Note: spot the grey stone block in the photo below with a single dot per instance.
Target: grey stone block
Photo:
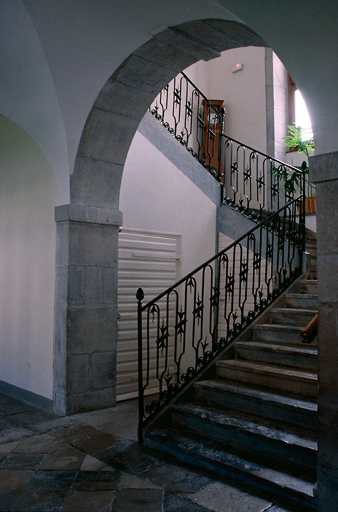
(93, 285)
(103, 370)
(181, 42)
(323, 167)
(124, 100)
(206, 35)
(107, 136)
(91, 329)
(88, 214)
(76, 287)
(93, 244)
(90, 401)
(62, 243)
(144, 75)
(159, 52)
(328, 352)
(77, 374)
(242, 35)
(327, 277)
(327, 222)
(96, 183)
(109, 285)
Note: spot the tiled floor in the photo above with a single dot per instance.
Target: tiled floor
(91, 462)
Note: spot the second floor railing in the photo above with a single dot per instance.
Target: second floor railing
(249, 178)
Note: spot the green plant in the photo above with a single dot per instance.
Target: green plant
(294, 140)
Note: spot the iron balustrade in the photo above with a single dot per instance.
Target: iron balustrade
(190, 117)
(248, 177)
(185, 328)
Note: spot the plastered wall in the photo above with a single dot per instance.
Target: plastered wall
(27, 260)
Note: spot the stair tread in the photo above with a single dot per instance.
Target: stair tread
(281, 327)
(278, 347)
(259, 394)
(297, 311)
(268, 369)
(209, 454)
(258, 430)
(302, 295)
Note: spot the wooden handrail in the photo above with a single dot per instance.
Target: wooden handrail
(310, 331)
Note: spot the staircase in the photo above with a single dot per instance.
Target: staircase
(254, 420)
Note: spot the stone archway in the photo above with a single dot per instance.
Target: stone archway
(87, 228)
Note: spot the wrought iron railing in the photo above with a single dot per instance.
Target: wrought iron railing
(192, 119)
(249, 178)
(185, 328)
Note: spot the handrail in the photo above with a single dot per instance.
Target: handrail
(310, 332)
(191, 323)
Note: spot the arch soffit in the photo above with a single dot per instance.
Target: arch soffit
(123, 101)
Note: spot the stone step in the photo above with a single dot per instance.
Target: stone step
(308, 286)
(301, 300)
(291, 316)
(311, 247)
(277, 333)
(285, 355)
(251, 400)
(208, 456)
(278, 378)
(250, 439)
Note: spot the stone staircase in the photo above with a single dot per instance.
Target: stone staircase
(254, 421)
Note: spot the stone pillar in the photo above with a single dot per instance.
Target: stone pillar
(324, 172)
(86, 308)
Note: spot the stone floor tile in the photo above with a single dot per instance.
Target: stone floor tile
(63, 457)
(14, 479)
(10, 432)
(38, 499)
(97, 480)
(23, 460)
(40, 421)
(134, 482)
(121, 420)
(87, 438)
(8, 447)
(84, 501)
(34, 444)
(8, 497)
(15, 407)
(138, 500)
(53, 479)
(91, 463)
(220, 497)
(133, 459)
(176, 478)
(174, 503)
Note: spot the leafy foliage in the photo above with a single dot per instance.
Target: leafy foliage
(290, 177)
(295, 140)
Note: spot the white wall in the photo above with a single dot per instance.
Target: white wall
(243, 92)
(156, 196)
(27, 262)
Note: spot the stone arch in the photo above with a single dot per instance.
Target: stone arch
(124, 99)
(87, 228)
